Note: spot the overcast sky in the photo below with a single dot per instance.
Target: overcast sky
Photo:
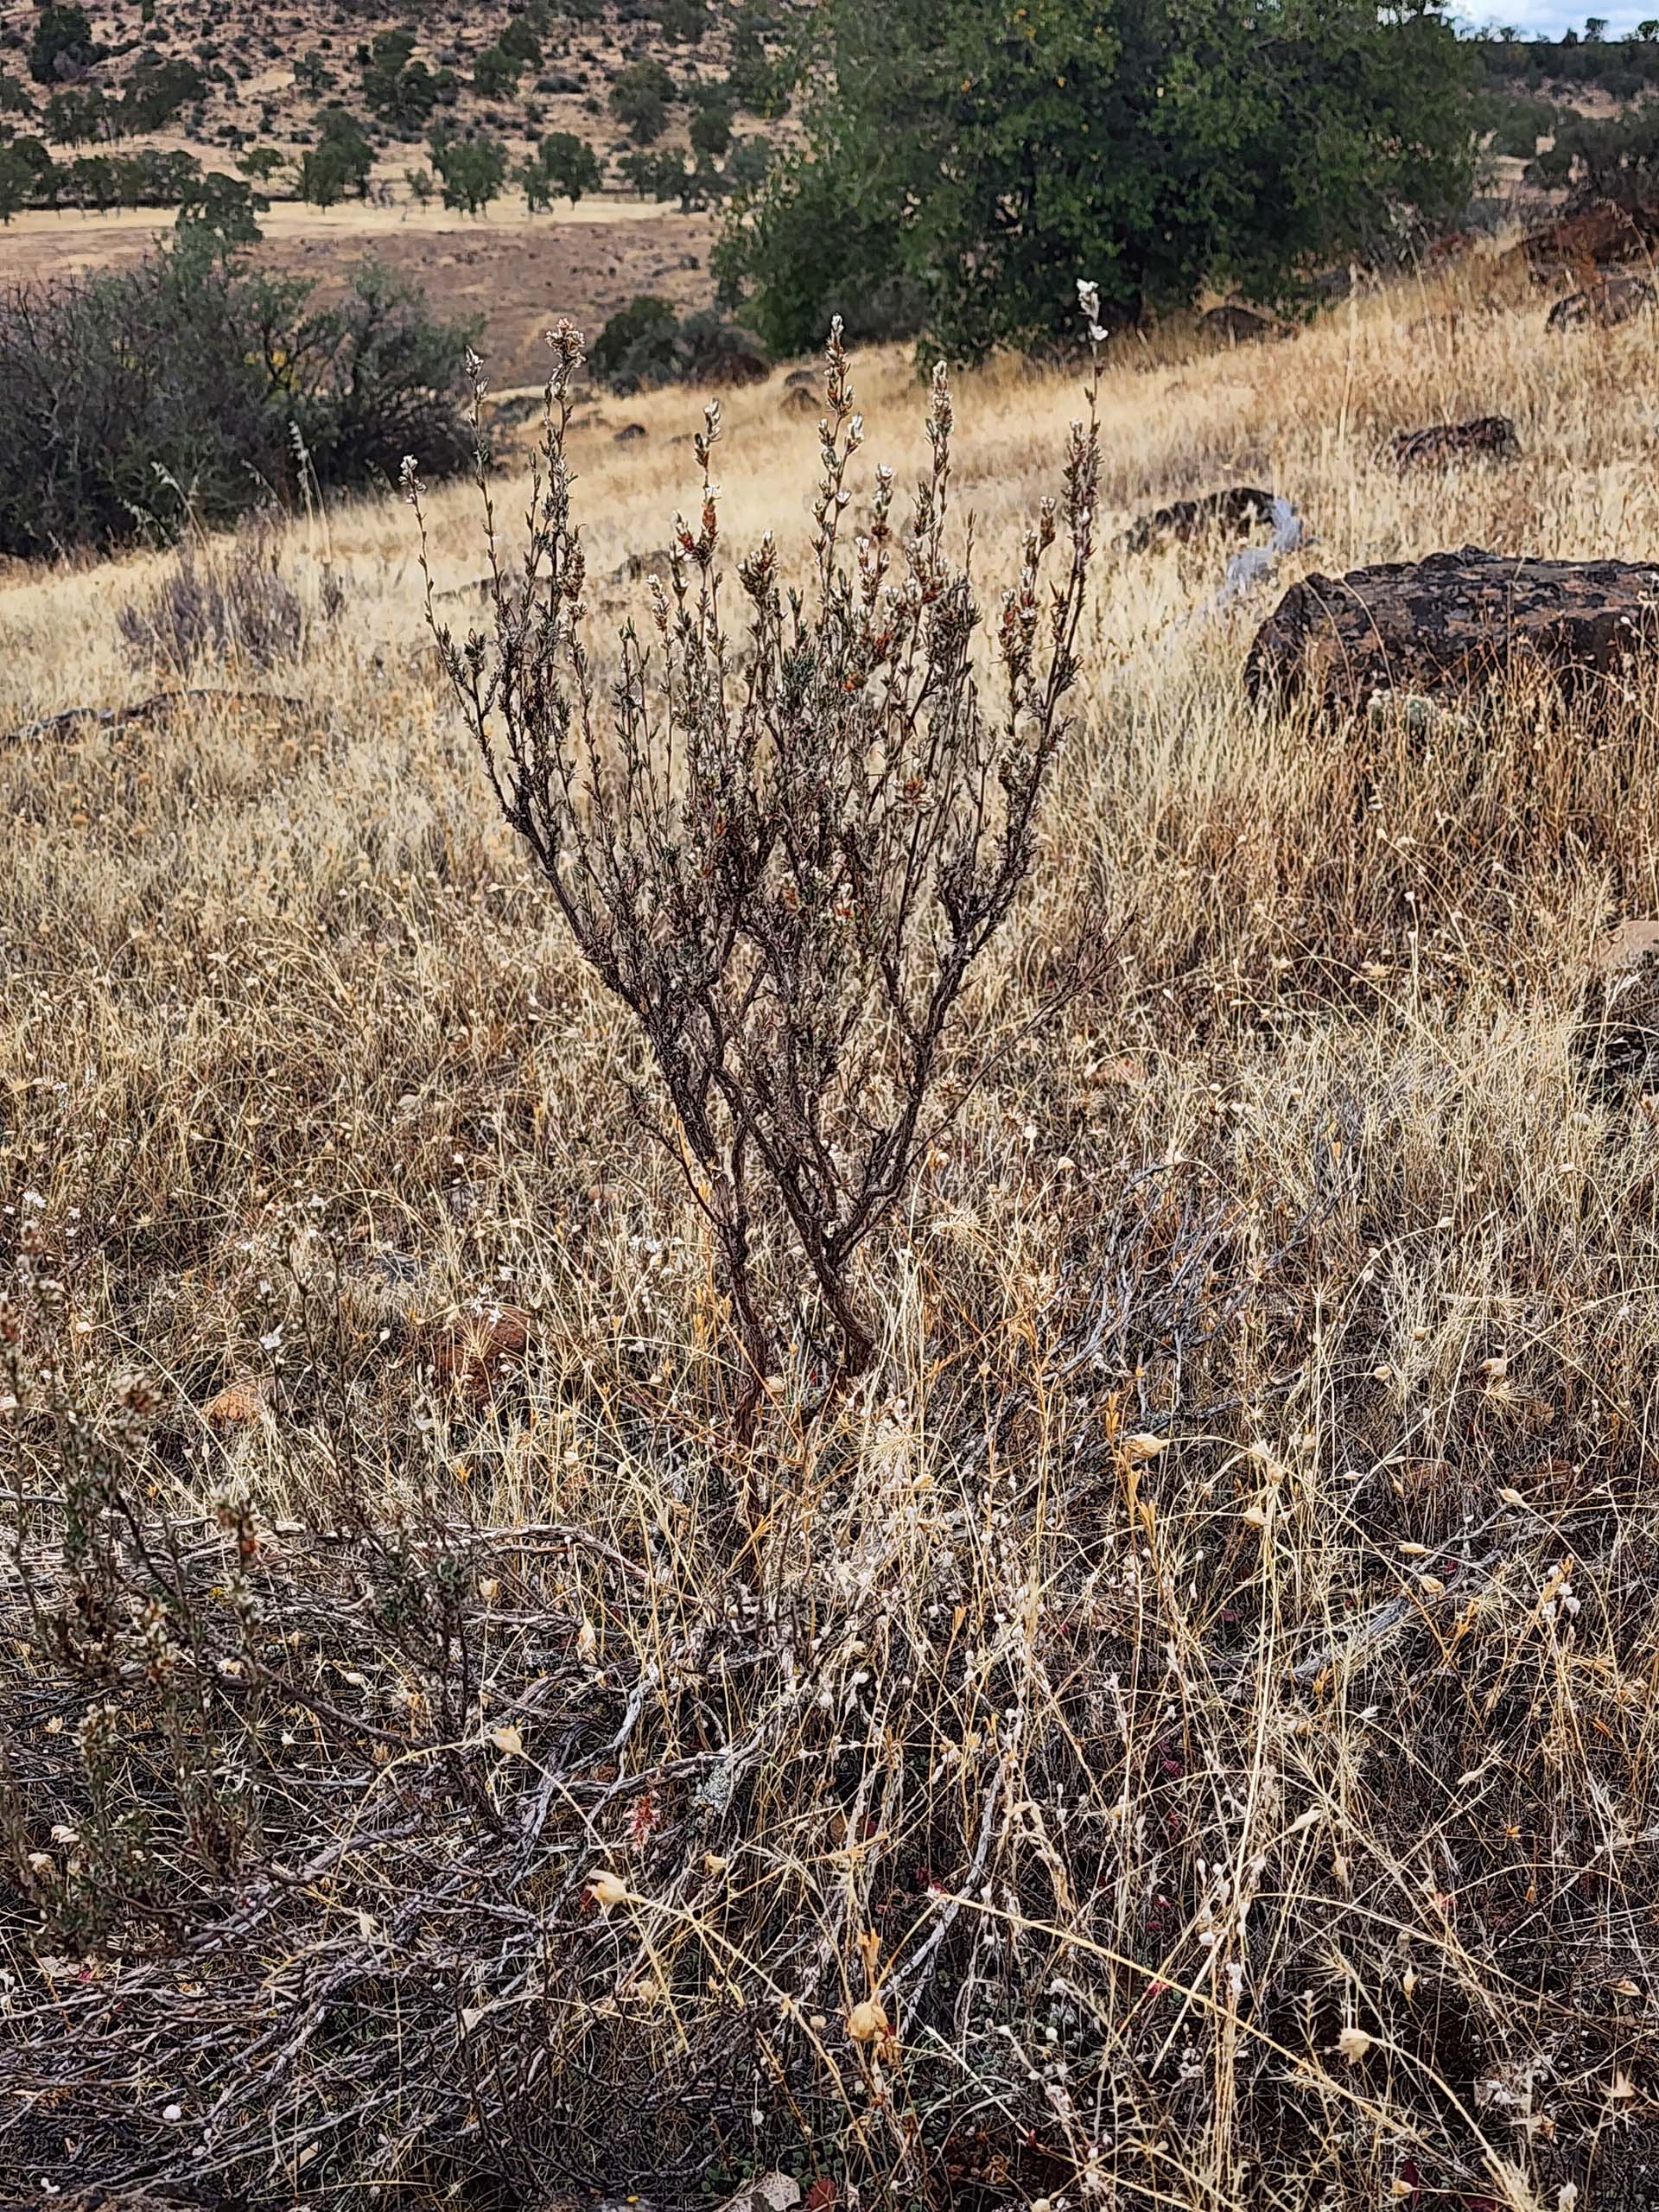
(1551, 18)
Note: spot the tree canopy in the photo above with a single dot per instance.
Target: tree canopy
(977, 157)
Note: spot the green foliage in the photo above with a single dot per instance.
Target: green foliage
(563, 169)
(400, 90)
(646, 324)
(473, 169)
(312, 73)
(132, 399)
(78, 116)
(15, 98)
(992, 158)
(261, 162)
(683, 21)
(16, 182)
(640, 96)
(531, 179)
(757, 81)
(1514, 124)
(711, 130)
(647, 343)
(748, 163)
(339, 162)
(157, 89)
(1605, 157)
(520, 43)
(421, 186)
(496, 74)
(223, 209)
(817, 244)
(62, 34)
(666, 174)
(1622, 68)
(147, 179)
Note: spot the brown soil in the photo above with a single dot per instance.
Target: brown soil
(512, 273)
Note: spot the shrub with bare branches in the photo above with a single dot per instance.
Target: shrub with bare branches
(231, 602)
(783, 857)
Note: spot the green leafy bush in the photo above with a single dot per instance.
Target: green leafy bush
(132, 399)
(563, 168)
(473, 169)
(647, 343)
(341, 162)
(640, 96)
(1613, 157)
(157, 90)
(496, 73)
(1165, 145)
(62, 34)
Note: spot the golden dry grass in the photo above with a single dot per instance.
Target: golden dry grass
(1265, 1818)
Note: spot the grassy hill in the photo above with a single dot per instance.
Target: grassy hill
(1180, 1732)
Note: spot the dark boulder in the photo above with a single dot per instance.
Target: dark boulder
(1238, 510)
(1490, 437)
(1452, 628)
(1605, 305)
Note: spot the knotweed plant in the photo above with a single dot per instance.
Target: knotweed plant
(783, 849)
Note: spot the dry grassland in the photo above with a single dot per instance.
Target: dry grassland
(1262, 1811)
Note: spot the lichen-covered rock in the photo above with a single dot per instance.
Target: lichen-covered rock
(1454, 626)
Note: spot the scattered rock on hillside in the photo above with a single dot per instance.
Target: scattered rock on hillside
(1449, 626)
(1238, 508)
(1491, 436)
(1613, 301)
(1234, 325)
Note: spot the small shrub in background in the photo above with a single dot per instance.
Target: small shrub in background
(228, 601)
(640, 96)
(570, 166)
(646, 343)
(133, 400)
(785, 862)
(473, 169)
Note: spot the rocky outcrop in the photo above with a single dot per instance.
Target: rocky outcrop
(1453, 627)
(1605, 304)
(1490, 437)
(1237, 508)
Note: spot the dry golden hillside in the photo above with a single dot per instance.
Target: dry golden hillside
(1180, 1732)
